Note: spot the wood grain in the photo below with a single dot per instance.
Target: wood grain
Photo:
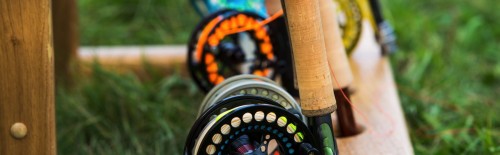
(26, 77)
(309, 54)
(66, 41)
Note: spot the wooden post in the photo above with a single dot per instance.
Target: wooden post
(66, 42)
(26, 78)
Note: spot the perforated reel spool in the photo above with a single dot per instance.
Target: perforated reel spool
(251, 85)
(249, 125)
(215, 52)
(211, 94)
(248, 87)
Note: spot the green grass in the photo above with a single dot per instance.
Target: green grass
(448, 75)
(447, 71)
(118, 22)
(107, 113)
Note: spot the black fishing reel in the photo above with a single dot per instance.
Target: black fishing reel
(248, 114)
(228, 43)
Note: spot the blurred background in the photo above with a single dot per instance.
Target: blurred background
(447, 71)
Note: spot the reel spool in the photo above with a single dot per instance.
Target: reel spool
(217, 50)
(251, 85)
(232, 122)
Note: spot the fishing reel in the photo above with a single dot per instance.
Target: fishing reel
(219, 49)
(248, 114)
(350, 22)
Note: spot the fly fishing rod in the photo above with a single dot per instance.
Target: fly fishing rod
(339, 66)
(384, 33)
(312, 70)
(385, 36)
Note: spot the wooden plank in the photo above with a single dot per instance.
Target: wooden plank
(377, 99)
(136, 58)
(26, 77)
(66, 41)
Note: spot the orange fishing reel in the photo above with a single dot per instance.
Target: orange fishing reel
(228, 43)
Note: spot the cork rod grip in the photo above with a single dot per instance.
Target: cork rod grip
(309, 54)
(335, 51)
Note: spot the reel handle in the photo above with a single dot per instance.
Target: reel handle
(309, 55)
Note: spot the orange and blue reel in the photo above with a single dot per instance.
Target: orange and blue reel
(217, 50)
